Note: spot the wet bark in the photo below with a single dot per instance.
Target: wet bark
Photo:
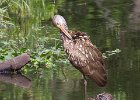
(15, 63)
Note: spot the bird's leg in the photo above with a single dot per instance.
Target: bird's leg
(85, 86)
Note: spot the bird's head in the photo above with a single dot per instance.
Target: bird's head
(61, 23)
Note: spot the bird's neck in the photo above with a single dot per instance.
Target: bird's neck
(66, 42)
(64, 37)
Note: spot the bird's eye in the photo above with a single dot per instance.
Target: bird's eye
(57, 23)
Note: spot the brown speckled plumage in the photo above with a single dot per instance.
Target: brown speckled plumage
(83, 55)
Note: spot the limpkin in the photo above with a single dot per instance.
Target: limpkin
(82, 54)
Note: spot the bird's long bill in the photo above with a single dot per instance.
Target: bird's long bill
(65, 32)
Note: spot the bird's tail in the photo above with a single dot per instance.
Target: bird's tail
(100, 79)
(97, 73)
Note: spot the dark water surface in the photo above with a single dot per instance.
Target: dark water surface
(111, 24)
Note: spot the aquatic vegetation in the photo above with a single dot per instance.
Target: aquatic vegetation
(42, 57)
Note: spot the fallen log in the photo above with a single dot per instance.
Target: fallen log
(15, 63)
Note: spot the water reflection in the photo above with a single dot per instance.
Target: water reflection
(134, 16)
(73, 89)
(102, 96)
(16, 79)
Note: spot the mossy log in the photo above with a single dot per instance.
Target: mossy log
(15, 63)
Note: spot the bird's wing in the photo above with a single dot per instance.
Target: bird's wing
(90, 51)
(95, 67)
(85, 47)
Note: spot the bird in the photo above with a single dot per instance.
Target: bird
(82, 54)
